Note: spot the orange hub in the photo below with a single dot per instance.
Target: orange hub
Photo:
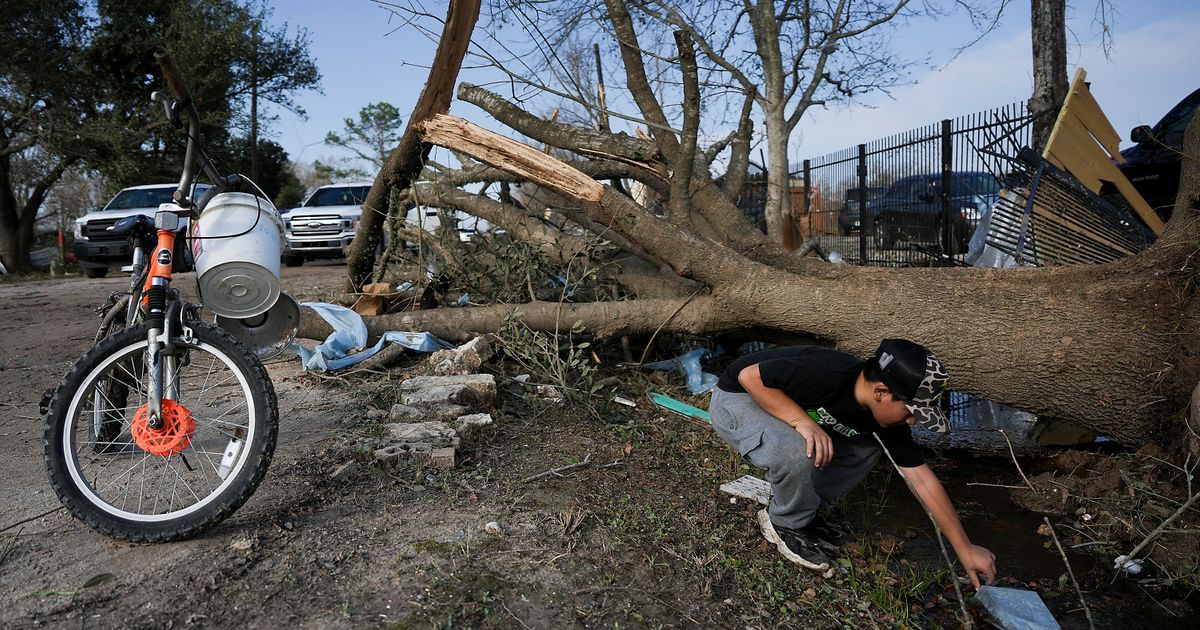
(173, 437)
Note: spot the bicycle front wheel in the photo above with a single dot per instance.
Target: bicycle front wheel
(125, 479)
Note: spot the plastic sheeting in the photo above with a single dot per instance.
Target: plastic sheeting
(698, 381)
(350, 334)
(1016, 609)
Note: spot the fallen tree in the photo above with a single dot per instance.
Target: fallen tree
(1109, 347)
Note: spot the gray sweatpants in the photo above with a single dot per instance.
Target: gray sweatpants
(798, 487)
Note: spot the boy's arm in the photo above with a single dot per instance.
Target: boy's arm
(929, 491)
(818, 445)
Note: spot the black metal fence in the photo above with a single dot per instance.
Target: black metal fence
(914, 198)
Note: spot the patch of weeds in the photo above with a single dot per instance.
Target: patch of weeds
(434, 548)
(889, 587)
(559, 357)
(466, 599)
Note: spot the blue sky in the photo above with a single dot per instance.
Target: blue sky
(367, 55)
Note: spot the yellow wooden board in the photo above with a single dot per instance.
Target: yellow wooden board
(1084, 143)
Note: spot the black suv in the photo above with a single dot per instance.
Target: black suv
(911, 209)
(849, 218)
(1152, 165)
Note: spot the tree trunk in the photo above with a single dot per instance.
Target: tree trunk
(406, 162)
(1049, 67)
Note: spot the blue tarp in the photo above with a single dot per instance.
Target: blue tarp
(350, 333)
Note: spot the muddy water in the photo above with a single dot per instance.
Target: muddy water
(1023, 559)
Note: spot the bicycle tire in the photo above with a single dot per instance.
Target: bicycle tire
(77, 466)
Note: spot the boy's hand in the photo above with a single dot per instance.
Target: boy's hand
(819, 444)
(976, 560)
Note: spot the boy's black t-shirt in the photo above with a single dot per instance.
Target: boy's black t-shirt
(821, 381)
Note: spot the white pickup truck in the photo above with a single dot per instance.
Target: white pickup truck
(324, 225)
(96, 249)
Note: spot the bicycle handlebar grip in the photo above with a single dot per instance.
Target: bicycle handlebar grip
(172, 76)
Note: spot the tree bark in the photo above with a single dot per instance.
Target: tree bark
(1049, 67)
(405, 163)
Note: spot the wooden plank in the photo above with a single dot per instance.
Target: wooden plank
(1083, 107)
(1073, 147)
(1078, 80)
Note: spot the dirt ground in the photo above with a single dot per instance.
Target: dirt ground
(639, 537)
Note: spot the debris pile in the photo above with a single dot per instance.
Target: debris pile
(434, 414)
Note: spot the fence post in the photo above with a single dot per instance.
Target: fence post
(807, 202)
(947, 181)
(866, 222)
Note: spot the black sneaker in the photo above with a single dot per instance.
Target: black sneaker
(801, 546)
(827, 531)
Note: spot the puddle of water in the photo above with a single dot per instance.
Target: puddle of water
(1022, 560)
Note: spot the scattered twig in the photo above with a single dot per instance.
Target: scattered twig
(937, 531)
(1015, 462)
(664, 323)
(1078, 591)
(561, 469)
(995, 485)
(11, 546)
(510, 614)
(31, 518)
(1161, 528)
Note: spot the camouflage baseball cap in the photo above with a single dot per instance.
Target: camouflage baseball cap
(915, 376)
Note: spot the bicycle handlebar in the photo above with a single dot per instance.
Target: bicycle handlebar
(171, 74)
(183, 101)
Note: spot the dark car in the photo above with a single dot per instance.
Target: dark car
(849, 218)
(911, 210)
(1152, 165)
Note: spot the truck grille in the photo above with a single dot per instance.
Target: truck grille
(96, 230)
(317, 225)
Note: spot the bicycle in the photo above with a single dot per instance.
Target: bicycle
(168, 424)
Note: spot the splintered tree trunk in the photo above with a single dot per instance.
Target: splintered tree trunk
(406, 162)
(1049, 67)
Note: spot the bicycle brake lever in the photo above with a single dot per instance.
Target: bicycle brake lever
(171, 108)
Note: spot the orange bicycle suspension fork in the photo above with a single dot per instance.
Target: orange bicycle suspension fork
(154, 300)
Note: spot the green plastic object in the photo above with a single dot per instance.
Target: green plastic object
(681, 408)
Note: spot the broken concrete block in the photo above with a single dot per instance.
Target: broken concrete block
(427, 391)
(442, 457)
(393, 452)
(469, 424)
(435, 433)
(464, 359)
(377, 414)
(442, 412)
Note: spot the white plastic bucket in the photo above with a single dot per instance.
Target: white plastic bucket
(237, 242)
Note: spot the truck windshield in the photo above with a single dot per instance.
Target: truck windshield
(140, 198)
(338, 196)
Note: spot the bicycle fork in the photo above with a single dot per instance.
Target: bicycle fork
(161, 357)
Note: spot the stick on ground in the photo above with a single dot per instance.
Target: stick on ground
(1087, 611)
(561, 469)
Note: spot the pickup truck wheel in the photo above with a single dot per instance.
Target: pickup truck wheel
(95, 272)
(293, 261)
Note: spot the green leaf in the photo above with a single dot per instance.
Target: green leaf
(97, 580)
